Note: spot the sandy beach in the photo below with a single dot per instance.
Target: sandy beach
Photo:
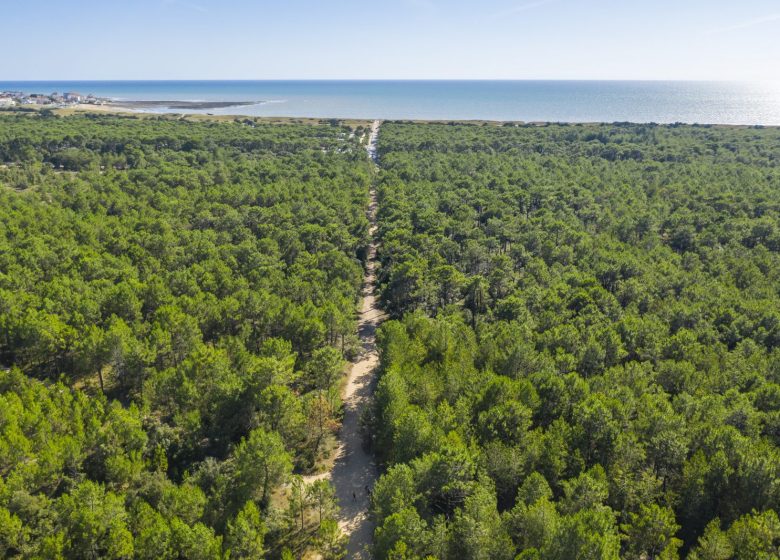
(159, 106)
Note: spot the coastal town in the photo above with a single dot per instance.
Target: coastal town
(18, 100)
(9, 99)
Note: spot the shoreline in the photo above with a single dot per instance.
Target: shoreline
(424, 101)
(123, 108)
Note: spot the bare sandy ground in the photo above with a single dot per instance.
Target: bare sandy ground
(354, 471)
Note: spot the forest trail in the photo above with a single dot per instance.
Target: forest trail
(354, 471)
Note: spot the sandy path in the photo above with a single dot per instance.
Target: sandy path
(354, 469)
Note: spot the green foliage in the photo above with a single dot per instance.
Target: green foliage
(586, 329)
(330, 541)
(755, 535)
(650, 533)
(94, 523)
(584, 359)
(246, 534)
(261, 464)
(176, 299)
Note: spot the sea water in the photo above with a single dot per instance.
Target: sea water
(530, 101)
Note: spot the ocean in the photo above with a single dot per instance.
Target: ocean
(529, 101)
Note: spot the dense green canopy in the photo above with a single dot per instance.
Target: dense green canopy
(176, 302)
(586, 361)
(583, 359)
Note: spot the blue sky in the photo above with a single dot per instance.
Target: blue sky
(414, 39)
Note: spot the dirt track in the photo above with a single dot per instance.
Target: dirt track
(354, 471)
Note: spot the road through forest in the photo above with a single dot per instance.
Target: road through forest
(354, 471)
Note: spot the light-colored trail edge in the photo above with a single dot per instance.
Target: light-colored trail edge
(354, 472)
